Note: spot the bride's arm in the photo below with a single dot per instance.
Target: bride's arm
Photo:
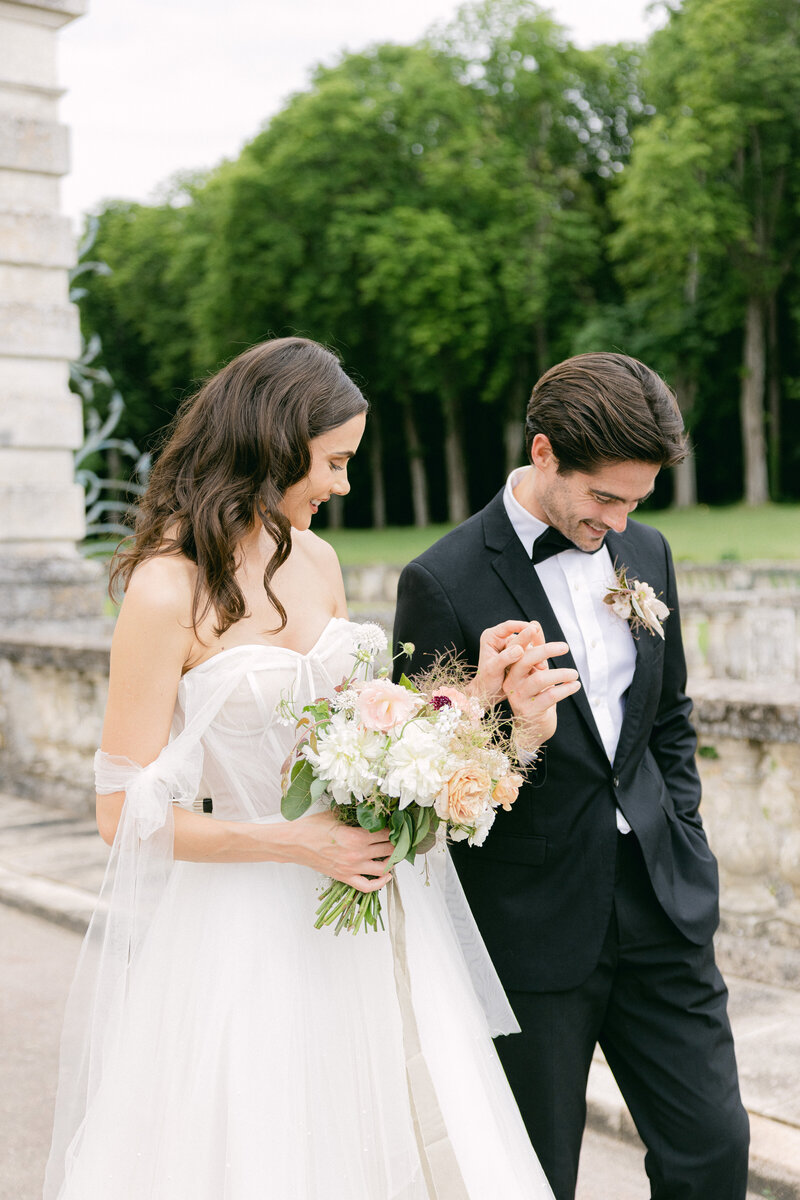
(153, 641)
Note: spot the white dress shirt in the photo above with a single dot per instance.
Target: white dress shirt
(602, 644)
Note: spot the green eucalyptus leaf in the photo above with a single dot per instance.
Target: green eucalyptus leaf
(402, 846)
(396, 822)
(423, 826)
(298, 794)
(318, 788)
(369, 818)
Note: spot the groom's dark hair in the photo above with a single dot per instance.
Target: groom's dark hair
(602, 408)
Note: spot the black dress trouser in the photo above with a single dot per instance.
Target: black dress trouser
(657, 1005)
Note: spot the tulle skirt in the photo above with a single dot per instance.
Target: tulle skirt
(261, 1059)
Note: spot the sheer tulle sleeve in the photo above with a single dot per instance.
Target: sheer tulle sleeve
(138, 871)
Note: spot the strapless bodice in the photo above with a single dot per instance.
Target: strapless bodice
(235, 696)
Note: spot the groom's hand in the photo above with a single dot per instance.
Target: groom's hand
(501, 647)
(533, 688)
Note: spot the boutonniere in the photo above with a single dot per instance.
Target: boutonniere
(636, 602)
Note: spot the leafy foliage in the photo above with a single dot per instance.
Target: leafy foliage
(455, 216)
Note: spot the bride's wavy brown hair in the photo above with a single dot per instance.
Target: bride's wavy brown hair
(231, 453)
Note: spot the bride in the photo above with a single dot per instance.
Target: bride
(217, 1046)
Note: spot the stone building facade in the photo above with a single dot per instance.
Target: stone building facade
(41, 506)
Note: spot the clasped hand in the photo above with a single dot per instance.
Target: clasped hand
(513, 665)
(343, 852)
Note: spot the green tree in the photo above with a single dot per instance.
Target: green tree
(556, 128)
(713, 188)
(139, 309)
(332, 222)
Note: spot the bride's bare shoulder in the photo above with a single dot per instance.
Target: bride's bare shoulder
(320, 560)
(316, 551)
(161, 588)
(155, 621)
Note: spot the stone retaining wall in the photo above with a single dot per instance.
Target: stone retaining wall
(53, 686)
(739, 620)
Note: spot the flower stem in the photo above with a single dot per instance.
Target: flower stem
(349, 908)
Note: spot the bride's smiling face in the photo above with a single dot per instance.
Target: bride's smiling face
(330, 454)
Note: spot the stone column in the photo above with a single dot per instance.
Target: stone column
(41, 507)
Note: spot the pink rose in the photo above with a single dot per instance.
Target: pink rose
(383, 705)
(506, 790)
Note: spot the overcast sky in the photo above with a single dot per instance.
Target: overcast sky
(157, 86)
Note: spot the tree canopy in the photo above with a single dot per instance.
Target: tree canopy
(456, 215)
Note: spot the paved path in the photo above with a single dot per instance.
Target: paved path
(37, 960)
(51, 864)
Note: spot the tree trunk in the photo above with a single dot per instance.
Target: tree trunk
(336, 513)
(454, 461)
(751, 405)
(416, 468)
(774, 397)
(514, 424)
(684, 475)
(376, 471)
(684, 482)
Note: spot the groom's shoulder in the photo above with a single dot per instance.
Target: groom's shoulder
(648, 543)
(645, 535)
(454, 553)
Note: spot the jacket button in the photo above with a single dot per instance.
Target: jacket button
(615, 781)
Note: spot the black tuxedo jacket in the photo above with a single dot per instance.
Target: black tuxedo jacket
(541, 886)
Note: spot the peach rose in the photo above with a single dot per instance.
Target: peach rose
(506, 790)
(384, 706)
(468, 793)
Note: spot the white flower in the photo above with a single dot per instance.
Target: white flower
(344, 700)
(345, 758)
(496, 763)
(416, 765)
(446, 720)
(636, 602)
(478, 833)
(482, 826)
(371, 638)
(654, 610)
(621, 605)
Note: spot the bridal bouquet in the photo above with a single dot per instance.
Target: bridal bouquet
(416, 758)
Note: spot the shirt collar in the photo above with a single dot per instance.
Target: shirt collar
(526, 526)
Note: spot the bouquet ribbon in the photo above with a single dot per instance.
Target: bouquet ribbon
(440, 1167)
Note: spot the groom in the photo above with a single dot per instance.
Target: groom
(597, 894)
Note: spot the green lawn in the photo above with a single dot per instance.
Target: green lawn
(699, 534)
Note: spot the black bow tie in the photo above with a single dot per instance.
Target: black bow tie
(552, 542)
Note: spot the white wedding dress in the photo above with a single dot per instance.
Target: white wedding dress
(218, 1047)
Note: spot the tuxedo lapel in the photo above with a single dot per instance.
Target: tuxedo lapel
(515, 569)
(649, 648)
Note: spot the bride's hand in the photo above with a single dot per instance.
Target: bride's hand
(499, 651)
(504, 646)
(354, 856)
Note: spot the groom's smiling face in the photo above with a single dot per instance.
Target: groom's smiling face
(585, 506)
